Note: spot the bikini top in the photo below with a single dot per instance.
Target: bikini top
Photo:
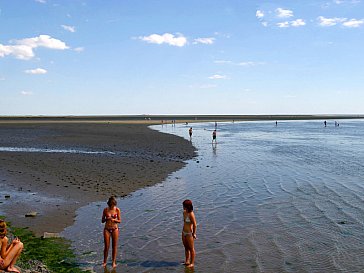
(187, 219)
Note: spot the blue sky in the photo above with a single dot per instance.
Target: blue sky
(117, 57)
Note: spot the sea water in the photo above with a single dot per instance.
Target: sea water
(267, 198)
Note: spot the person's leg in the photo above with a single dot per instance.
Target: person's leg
(106, 245)
(191, 247)
(12, 256)
(115, 238)
(187, 251)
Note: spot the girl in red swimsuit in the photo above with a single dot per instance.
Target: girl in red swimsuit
(111, 218)
(9, 253)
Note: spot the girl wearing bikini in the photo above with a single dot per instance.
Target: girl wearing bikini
(189, 233)
(111, 218)
(9, 253)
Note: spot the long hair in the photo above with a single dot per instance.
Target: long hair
(187, 204)
(112, 202)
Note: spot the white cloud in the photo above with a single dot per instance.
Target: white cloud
(69, 28)
(206, 41)
(259, 14)
(353, 23)
(218, 77)
(79, 49)
(21, 52)
(26, 93)
(284, 13)
(339, 2)
(298, 23)
(248, 63)
(283, 24)
(295, 23)
(36, 71)
(166, 38)
(265, 24)
(41, 1)
(328, 22)
(43, 41)
(23, 49)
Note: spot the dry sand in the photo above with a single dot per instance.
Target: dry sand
(56, 184)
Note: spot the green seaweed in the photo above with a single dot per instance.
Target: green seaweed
(55, 253)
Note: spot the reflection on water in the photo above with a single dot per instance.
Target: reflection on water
(267, 199)
(45, 150)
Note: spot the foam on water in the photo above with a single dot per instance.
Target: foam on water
(267, 199)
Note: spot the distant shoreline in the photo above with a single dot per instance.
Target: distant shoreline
(158, 119)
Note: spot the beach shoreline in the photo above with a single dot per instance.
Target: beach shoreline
(118, 160)
(56, 184)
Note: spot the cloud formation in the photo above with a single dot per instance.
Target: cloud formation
(353, 23)
(69, 28)
(79, 49)
(259, 14)
(328, 22)
(247, 63)
(166, 38)
(218, 77)
(23, 49)
(26, 93)
(295, 23)
(206, 41)
(36, 71)
(41, 1)
(284, 13)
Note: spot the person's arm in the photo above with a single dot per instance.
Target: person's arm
(194, 224)
(104, 216)
(118, 219)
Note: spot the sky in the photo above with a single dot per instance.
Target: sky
(135, 57)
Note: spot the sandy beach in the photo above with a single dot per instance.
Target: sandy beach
(115, 159)
(110, 155)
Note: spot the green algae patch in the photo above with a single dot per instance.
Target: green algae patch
(55, 253)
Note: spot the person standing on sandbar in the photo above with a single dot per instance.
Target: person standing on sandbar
(214, 136)
(111, 218)
(190, 132)
(189, 233)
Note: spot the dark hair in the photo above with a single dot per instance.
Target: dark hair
(112, 201)
(187, 204)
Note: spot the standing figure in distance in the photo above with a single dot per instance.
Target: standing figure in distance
(190, 132)
(325, 123)
(214, 136)
(189, 233)
(111, 218)
(9, 253)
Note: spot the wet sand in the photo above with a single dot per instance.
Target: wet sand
(56, 184)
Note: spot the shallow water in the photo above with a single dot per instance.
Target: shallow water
(45, 150)
(267, 199)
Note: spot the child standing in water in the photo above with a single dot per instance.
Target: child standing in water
(189, 233)
(9, 253)
(111, 218)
